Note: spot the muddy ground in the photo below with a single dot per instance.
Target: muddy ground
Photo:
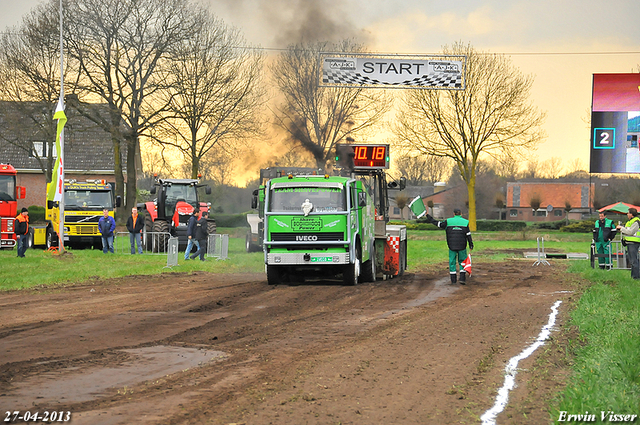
(230, 349)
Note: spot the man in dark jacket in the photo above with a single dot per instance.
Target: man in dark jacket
(135, 224)
(107, 225)
(21, 229)
(603, 233)
(202, 233)
(191, 233)
(458, 234)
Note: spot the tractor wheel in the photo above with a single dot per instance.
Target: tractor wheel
(351, 272)
(147, 237)
(369, 267)
(211, 226)
(160, 237)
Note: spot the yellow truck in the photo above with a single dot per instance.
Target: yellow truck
(83, 206)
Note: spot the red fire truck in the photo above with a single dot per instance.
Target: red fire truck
(9, 194)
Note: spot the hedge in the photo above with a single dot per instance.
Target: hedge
(500, 225)
(584, 226)
(36, 213)
(231, 220)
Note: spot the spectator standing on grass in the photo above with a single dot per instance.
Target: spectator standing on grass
(458, 234)
(107, 226)
(603, 233)
(631, 239)
(191, 233)
(22, 231)
(135, 224)
(202, 233)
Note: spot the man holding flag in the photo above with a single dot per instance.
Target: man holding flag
(458, 234)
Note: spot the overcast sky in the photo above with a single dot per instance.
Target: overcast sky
(562, 43)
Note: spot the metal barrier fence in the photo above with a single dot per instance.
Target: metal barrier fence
(218, 246)
(172, 254)
(616, 259)
(152, 243)
(541, 255)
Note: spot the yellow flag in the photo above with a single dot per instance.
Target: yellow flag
(56, 187)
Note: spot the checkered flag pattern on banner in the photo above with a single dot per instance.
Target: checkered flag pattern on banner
(351, 79)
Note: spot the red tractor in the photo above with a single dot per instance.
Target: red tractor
(9, 194)
(170, 212)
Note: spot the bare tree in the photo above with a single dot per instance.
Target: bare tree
(491, 114)
(120, 46)
(402, 200)
(576, 166)
(532, 168)
(552, 168)
(423, 169)
(30, 75)
(216, 92)
(318, 118)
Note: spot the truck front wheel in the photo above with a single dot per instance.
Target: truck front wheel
(352, 271)
(274, 275)
(369, 267)
(52, 238)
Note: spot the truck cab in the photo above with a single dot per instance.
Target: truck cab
(9, 194)
(318, 225)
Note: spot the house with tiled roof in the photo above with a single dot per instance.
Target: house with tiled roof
(88, 150)
(549, 200)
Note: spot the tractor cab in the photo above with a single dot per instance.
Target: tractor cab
(176, 199)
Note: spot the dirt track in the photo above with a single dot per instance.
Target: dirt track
(220, 349)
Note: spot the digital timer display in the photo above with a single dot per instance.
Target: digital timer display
(369, 156)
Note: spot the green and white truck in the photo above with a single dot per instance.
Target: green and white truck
(317, 224)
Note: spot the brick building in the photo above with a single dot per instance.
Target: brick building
(88, 151)
(554, 200)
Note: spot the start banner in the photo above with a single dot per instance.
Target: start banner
(366, 70)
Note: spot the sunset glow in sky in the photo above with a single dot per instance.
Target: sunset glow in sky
(562, 43)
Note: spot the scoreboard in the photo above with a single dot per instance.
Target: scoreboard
(364, 156)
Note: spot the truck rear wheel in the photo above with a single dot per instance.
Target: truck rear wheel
(274, 275)
(30, 239)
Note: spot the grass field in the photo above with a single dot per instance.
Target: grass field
(43, 268)
(425, 249)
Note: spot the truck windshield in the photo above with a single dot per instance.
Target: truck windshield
(324, 199)
(7, 188)
(88, 199)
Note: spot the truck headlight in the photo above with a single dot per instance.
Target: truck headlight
(10, 225)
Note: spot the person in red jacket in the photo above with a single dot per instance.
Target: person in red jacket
(22, 231)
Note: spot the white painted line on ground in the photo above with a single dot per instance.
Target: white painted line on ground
(489, 417)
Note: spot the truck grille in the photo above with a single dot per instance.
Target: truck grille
(81, 218)
(86, 230)
(307, 237)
